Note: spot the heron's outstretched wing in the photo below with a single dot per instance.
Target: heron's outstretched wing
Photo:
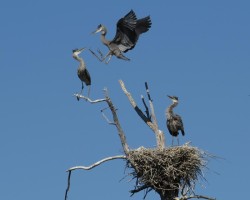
(126, 36)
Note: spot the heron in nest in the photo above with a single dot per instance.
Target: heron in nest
(82, 71)
(128, 30)
(174, 121)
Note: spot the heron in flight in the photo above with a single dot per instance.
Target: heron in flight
(82, 71)
(174, 121)
(128, 30)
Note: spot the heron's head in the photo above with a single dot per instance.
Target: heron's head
(100, 28)
(76, 52)
(173, 98)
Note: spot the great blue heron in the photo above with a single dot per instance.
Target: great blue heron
(174, 121)
(128, 31)
(82, 71)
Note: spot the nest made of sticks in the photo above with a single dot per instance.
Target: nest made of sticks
(167, 169)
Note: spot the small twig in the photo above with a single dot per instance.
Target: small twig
(79, 96)
(138, 189)
(196, 197)
(106, 118)
(151, 106)
(97, 163)
(68, 187)
(147, 90)
(146, 107)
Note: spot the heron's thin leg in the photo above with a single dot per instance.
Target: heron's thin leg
(172, 140)
(178, 141)
(107, 62)
(121, 56)
(88, 90)
(99, 51)
(82, 88)
(103, 58)
(100, 59)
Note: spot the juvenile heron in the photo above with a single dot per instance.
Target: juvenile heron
(82, 71)
(128, 30)
(174, 121)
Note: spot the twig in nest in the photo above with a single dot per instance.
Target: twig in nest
(168, 170)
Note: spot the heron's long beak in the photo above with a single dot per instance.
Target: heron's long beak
(96, 31)
(170, 96)
(82, 49)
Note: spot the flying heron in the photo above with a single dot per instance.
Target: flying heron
(82, 71)
(128, 30)
(174, 121)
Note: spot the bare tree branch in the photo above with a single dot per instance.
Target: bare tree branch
(68, 187)
(97, 163)
(151, 106)
(78, 96)
(115, 117)
(138, 189)
(159, 135)
(195, 197)
(88, 168)
(117, 123)
(146, 107)
(154, 127)
(106, 118)
(133, 103)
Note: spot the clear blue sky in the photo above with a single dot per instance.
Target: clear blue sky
(197, 50)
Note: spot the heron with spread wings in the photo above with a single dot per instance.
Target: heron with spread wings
(128, 30)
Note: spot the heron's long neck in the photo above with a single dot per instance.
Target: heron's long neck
(103, 39)
(82, 63)
(169, 110)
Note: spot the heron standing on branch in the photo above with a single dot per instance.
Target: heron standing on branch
(82, 71)
(174, 121)
(128, 30)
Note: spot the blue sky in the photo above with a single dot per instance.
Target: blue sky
(196, 50)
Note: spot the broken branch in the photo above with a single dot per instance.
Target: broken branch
(97, 163)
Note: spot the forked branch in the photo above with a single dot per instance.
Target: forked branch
(152, 125)
(88, 168)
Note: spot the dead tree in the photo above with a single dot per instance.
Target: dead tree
(170, 171)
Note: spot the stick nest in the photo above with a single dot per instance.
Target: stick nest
(169, 169)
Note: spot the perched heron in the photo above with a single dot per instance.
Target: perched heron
(174, 121)
(82, 71)
(128, 30)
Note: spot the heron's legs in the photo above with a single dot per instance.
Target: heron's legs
(101, 59)
(80, 92)
(88, 90)
(178, 140)
(121, 56)
(172, 140)
(109, 58)
(82, 88)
